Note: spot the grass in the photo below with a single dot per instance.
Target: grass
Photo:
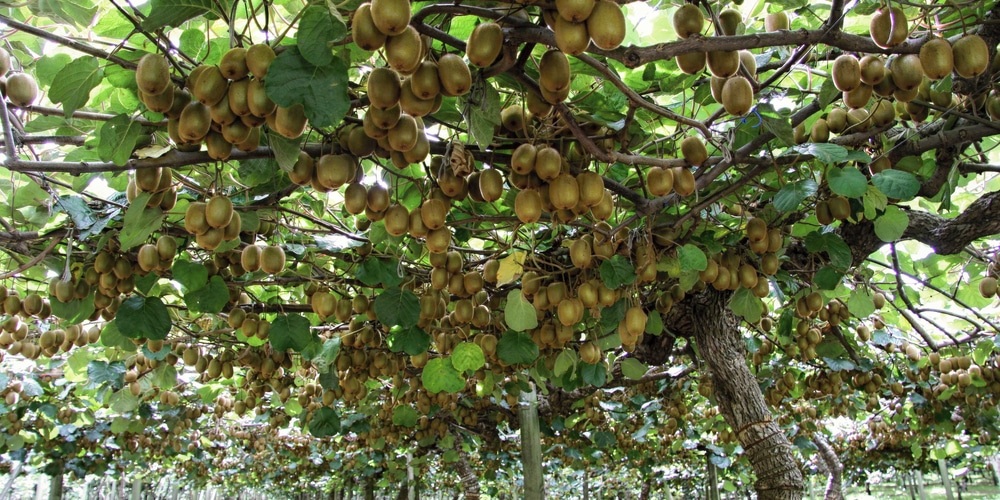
(933, 491)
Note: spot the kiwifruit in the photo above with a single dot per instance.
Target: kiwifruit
(889, 27)
(334, 171)
(693, 151)
(403, 136)
(883, 113)
(194, 219)
(272, 259)
(404, 52)
(820, 131)
(258, 59)
(904, 96)
(571, 37)
(396, 220)
(729, 21)
(858, 97)
(872, 69)
(886, 86)
(424, 83)
(180, 100)
(221, 113)
(858, 120)
(361, 145)
(391, 16)
(548, 163)
(454, 75)
(22, 89)
(716, 85)
(748, 62)
(160, 103)
(606, 25)
(413, 105)
(840, 207)
(972, 56)
(907, 71)
(257, 101)
(355, 198)
(195, 121)
(846, 72)
(988, 287)
(210, 87)
(148, 258)
(218, 211)
(364, 32)
(575, 10)
(776, 21)
(152, 74)
(916, 112)
(233, 64)
(378, 197)
(836, 120)
(553, 71)
(290, 122)
(148, 179)
(993, 107)
(937, 58)
(554, 97)
(484, 44)
(490, 185)
(723, 63)
(737, 96)
(660, 181)
(692, 62)
(591, 186)
(688, 20)
(218, 147)
(528, 206)
(383, 118)
(684, 182)
(564, 191)
(4, 61)
(515, 119)
(236, 133)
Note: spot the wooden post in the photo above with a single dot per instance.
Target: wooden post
(712, 488)
(920, 486)
(945, 478)
(531, 445)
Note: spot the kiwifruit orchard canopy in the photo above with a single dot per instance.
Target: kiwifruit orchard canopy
(378, 240)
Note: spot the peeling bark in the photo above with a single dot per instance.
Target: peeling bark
(834, 468)
(466, 474)
(740, 400)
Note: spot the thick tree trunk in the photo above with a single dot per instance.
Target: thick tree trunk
(834, 468)
(740, 399)
(466, 474)
(531, 445)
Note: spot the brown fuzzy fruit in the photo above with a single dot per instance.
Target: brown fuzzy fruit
(737, 96)
(391, 17)
(888, 27)
(688, 20)
(484, 44)
(694, 151)
(454, 75)
(606, 25)
(152, 74)
(972, 56)
(22, 89)
(723, 63)
(846, 72)
(554, 73)
(258, 59)
(272, 259)
(937, 58)
(364, 31)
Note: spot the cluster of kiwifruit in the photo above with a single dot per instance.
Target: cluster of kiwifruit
(730, 271)
(577, 23)
(661, 181)
(250, 324)
(158, 182)
(221, 105)
(546, 184)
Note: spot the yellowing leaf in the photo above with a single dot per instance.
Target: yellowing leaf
(511, 267)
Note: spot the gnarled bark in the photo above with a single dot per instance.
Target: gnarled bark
(834, 468)
(714, 328)
(466, 474)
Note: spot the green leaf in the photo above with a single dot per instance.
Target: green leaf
(617, 271)
(874, 201)
(745, 303)
(692, 258)
(847, 181)
(165, 376)
(983, 350)
(861, 303)
(122, 401)
(73, 84)
(325, 422)
(140, 221)
(821, 151)
(481, 109)
(211, 299)
(611, 316)
(375, 271)
(143, 317)
(104, 372)
(565, 362)
(290, 331)
(77, 12)
(118, 137)
(781, 127)
(833, 245)
(891, 225)
(828, 92)
(839, 364)
(75, 311)
(791, 195)
(322, 354)
(467, 356)
(897, 184)
(397, 307)
(519, 314)
(191, 275)
(439, 375)
(827, 278)
(633, 368)
(412, 340)
(517, 348)
(321, 90)
(654, 323)
(404, 416)
(594, 374)
(77, 209)
(318, 29)
(286, 151)
(111, 337)
(174, 12)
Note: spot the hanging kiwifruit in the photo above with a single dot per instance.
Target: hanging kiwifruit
(382, 118)
(840, 207)
(194, 122)
(424, 83)
(972, 56)
(737, 96)
(148, 179)
(515, 119)
(528, 206)
(221, 113)
(571, 37)
(333, 171)
(378, 197)
(660, 181)
(858, 97)
(218, 211)
(688, 20)
(553, 71)
(272, 259)
(846, 72)
(22, 89)
(820, 131)
(936, 58)
(836, 120)
(383, 88)
(575, 10)
(491, 185)
(888, 27)
(692, 62)
(160, 103)
(152, 74)
(454, 75)
(606, 25)
(194, 218)
(885, 87)
(564, 191)
(537, 105)
(364, 32)
(233, 64)
(872, 69)
(218, 147)
(291, 121)
(403, 136)
(210, 87)
(396, 220)
(693, 151)
(883, 113)
(729, 21)
(548, 163)
(258, 59)
(684, 182)
(776, 21)
(391, 16)
(484, 44)
(591, 186)
(413, 105)
(907, 71)
(723, 63)
(748, 62)
(236, 132)
(404, 51)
